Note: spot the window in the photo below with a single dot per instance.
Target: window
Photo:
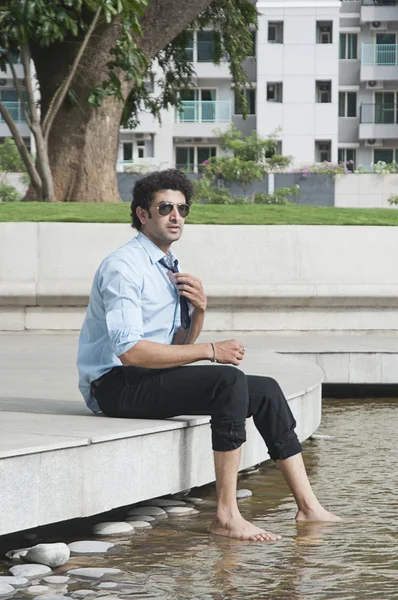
(141, 148)
(385, 108)
(253, 35)
(324, 32)
(275, 32)
(189, 45)
(127, 151)
(323, 91)
(387, 155)
(205, 46)
(251, 103)
(191, 158)
(347, 104)
(276, 151)
(348, 46)
(347, 156)
(274, 92)
(323, 151)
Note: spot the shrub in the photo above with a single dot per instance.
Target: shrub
(393, 200)
(383, 168)
(8, 193)
(279, 196)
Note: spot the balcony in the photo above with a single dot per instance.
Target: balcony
(16, 112)
(379, 62)
(378, 121)
(379, 10)
(201, 117)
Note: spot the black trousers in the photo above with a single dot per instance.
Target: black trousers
(223, 392)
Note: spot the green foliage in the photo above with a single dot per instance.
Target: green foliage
(8, 193)
(207, 194)
(232, 169)
(279, 196)
(383, 168)
(393, 200)
(252, 148)
(277, 161)
(10, 159)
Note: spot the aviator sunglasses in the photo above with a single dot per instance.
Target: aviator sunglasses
(165, 208)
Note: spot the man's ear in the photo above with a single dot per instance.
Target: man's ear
(142, 214)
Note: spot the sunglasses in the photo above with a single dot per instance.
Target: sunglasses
(165, 208)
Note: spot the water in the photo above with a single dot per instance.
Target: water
(354, 475)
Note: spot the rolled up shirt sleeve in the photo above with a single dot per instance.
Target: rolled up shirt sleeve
(120, 287)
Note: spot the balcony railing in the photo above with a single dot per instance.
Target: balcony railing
(382, 55)
(16, 112)
(204, 111)
(380, 2)
(384, 114)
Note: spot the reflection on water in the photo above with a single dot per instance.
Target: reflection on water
(354, 475)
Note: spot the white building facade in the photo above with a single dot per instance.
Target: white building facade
(325, 74)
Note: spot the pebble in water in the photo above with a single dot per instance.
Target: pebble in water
(240, 494)
(14, 581)
(93, 572)
(37, 589)
(57, 579)
(107, 584)
(133, 518)
(113, 528)
(153, 511)
(90, 547)
(29, 571)
(193, 500)
(83, 593)
(52, 555)
(141, 525)
(17, 554)
(321, 436)
(52, 597)
(180, 511)
(6, 590)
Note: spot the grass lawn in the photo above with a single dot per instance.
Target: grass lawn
(202, 214)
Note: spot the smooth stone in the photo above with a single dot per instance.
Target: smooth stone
(194, 500)
(162, 502)
(6, 590)
(90, 547)
(16, 554)
(322, 436)
(83, 593)
(37, 589)
(52, 597)
(93, 572)
(107, 584)
(240, 494)
(52, 555)
(153, 511)
(141, 525)
(113, 528)
(29, 571)
(178, 511)
(14, 581)
(133, 518)
(56, 579)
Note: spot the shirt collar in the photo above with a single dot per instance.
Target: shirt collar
(154, 253)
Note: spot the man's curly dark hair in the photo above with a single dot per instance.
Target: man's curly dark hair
(145, 189)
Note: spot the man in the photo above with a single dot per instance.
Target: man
(137, 335)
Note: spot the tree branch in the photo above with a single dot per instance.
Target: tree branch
(60, 94)
(34, 116)
(18, 87)
(27, 159)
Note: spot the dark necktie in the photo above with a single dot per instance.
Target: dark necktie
(184, 304)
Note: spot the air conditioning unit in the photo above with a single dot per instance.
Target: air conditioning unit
(374, 85)
(3, 82)
(378, 26)
(373, 143)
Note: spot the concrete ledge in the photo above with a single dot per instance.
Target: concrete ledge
(57, 461)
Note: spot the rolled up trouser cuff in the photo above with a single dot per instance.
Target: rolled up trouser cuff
(227, 435)
(285, 448)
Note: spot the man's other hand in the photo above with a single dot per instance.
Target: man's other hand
(191, 287)
(230, 352)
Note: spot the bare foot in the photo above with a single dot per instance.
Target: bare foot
(318, 514)
(238, 528)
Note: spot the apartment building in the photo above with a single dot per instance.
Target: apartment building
(325, 72)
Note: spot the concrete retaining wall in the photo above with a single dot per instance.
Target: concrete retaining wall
(365, 190)
(270, 278)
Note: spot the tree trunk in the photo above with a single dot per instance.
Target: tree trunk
(83, 141)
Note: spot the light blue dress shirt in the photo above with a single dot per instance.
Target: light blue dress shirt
(132, 298)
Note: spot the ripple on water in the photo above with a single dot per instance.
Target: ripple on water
(353, 475)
